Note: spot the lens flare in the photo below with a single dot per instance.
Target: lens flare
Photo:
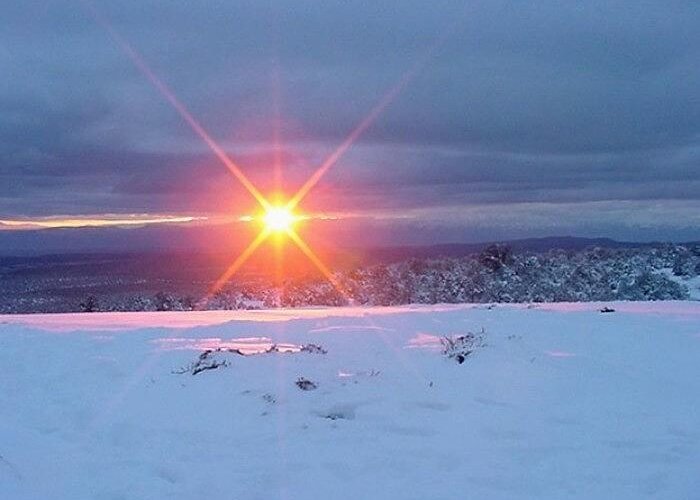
(276, 219)
(279, 219)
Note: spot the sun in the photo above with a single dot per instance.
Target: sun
(279, 219)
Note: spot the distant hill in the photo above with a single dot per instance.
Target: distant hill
(212, 238)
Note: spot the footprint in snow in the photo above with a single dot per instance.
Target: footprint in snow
(339, 412)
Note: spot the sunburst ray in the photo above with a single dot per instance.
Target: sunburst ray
(386, 100)
(238, 263)
(165, 91)
(319, 264)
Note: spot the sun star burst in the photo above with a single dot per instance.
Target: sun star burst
(279, 219)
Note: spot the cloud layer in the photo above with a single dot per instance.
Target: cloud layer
(594, 106)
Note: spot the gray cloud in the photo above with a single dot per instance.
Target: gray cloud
(559, 103)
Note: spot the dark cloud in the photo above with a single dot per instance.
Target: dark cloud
(564, 103)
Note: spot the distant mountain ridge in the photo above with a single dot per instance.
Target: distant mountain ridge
(63, 243)
(197, 239)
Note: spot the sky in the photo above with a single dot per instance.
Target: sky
(479, 120)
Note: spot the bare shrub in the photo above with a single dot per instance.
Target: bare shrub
(206, 361)
(313, 349)
(460, 347)
(211, 359)
(305, 384)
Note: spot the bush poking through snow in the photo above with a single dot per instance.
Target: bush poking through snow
(205, 361)
(305, 384)
(460, 347)
(313, 349)
(210, 365)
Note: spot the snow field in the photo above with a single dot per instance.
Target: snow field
(561, 401)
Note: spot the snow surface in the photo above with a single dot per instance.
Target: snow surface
(562, 401)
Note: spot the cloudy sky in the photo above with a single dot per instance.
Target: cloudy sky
(485, 119)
